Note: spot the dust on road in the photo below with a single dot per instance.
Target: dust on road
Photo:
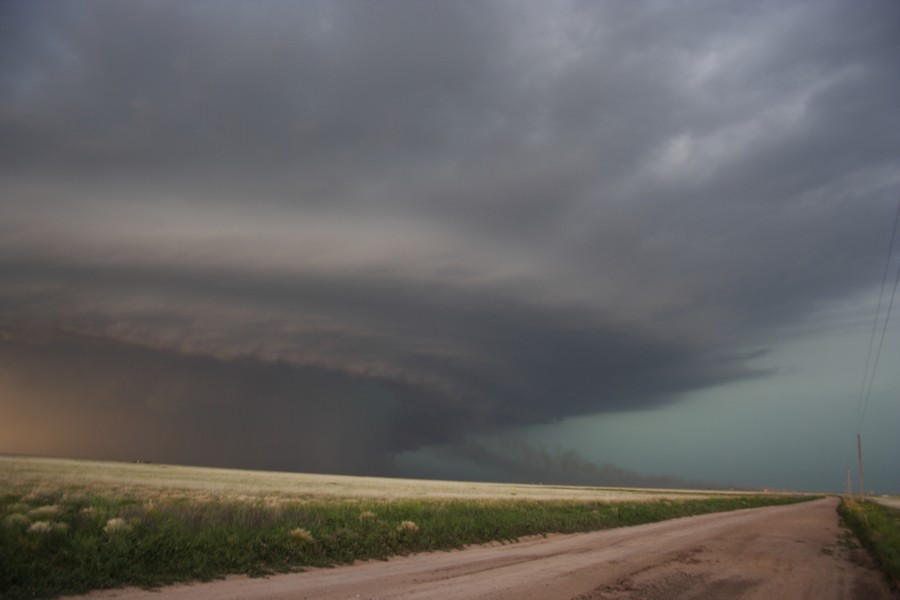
(796, 551)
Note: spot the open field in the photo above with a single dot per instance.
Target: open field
(889, 501)
(130, 478)
(71, 526)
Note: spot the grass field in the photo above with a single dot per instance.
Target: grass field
(72, 526)
(199, 482)
(878, 529)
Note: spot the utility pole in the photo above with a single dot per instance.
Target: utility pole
(862, 485)
(849, 485)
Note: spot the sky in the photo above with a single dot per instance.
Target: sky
(619, 243)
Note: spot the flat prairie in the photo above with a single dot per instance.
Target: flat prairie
(70, 526)
(33, 474)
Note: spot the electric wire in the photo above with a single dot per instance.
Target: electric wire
(869, 376)
(884, 327)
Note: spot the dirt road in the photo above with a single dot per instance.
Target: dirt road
(780, 552)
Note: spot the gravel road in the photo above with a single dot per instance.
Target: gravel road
(795, 551)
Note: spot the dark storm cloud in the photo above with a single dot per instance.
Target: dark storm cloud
(455, 216)
(102, 398)
(323, 87)
(515, 460)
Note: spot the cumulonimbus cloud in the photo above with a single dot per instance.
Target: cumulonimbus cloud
(461, 218)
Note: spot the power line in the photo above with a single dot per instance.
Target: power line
(866, 390)
(887, 318)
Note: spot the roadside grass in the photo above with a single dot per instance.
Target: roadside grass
(878, 529)
(72, 540)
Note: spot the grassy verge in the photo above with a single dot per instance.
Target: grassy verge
(878, 529)
(67, 542)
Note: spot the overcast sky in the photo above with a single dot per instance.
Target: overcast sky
(585, 242)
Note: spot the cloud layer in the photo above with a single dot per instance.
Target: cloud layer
(397, 223)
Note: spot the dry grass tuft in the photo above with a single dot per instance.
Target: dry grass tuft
(116, 526)
(367, 515)
(17, 520)
(407, 526)
(44, 511)
(302, 535)
(41, 527)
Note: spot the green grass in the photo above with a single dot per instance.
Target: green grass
(170, 539)
(878, 529)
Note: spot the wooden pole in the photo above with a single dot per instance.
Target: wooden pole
(862, 485)
(849, 484)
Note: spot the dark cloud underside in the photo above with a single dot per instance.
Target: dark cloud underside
(313, 235)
